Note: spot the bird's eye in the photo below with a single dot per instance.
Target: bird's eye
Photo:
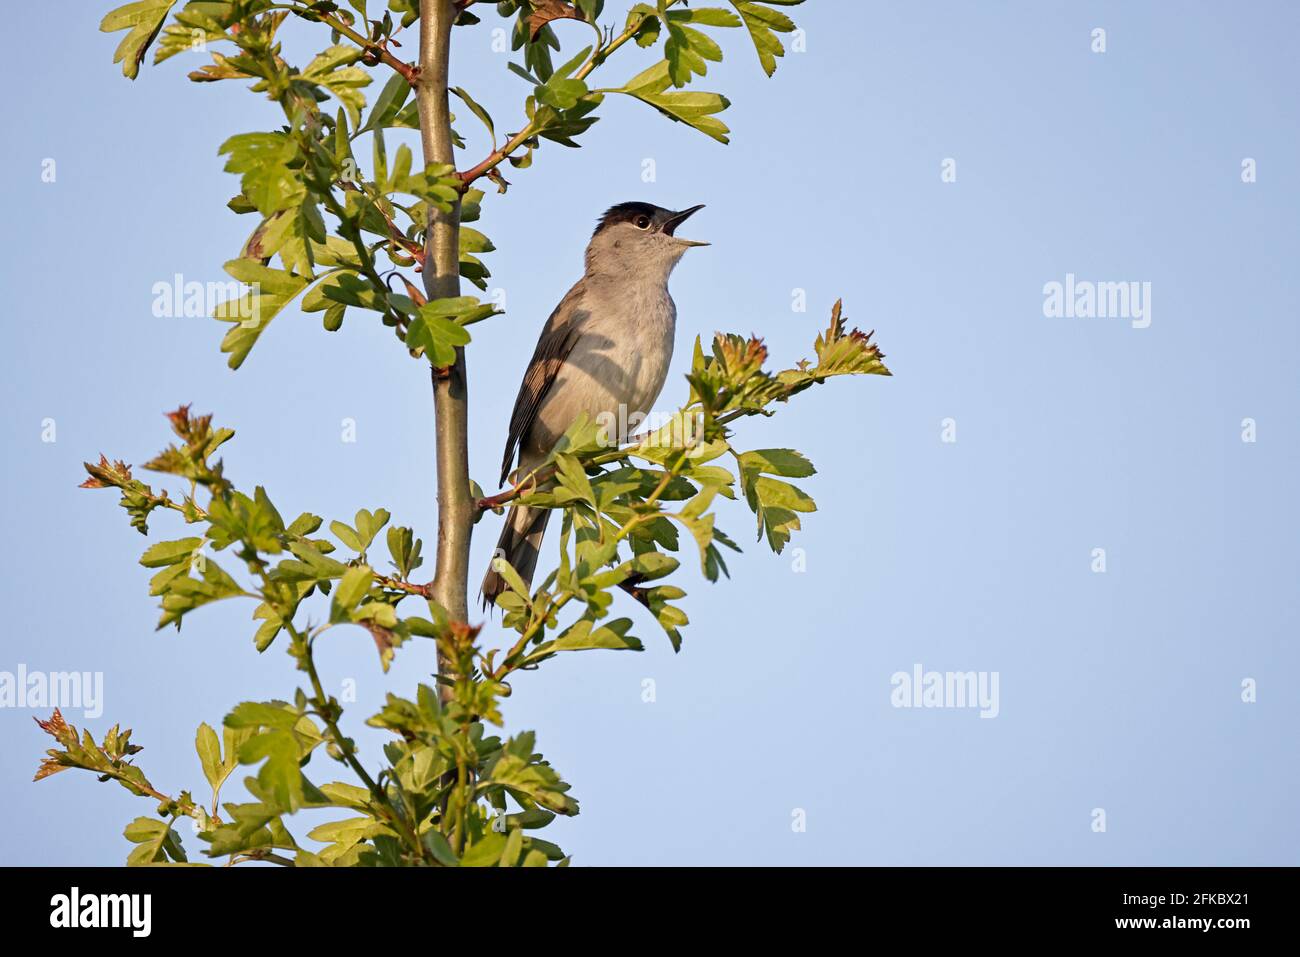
(643, 222)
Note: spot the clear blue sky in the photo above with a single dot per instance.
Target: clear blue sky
(1118, 690)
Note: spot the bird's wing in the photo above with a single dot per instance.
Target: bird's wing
(553, 347)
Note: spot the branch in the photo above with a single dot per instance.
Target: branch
(262, 855)
(377, 50)
(513, 657)
(527, 484)
(327, 711)
(411, 588)
(442, 281)
(395, 235)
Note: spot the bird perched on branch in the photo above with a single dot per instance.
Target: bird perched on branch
(604, 351)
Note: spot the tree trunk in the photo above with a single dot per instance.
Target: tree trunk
(441, 281)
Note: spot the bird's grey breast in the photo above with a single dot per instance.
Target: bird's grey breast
(619, 360)
(644, 317)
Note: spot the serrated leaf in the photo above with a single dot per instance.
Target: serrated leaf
(773, 492)
(584, 635)
(763, 24)
(695, 109)
(263, 162)
(271, 290)
(259, 714)
(785, 462)
(163, 554)
(143, 19)
(434, 335)
(279, 778)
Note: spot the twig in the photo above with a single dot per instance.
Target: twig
(411, 588)
(328, 714)
(499, 156)
(408, 70)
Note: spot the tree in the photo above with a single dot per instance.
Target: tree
(340, 239)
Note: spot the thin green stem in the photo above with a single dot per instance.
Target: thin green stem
(328, 712)
(365, 43)
(509, 664)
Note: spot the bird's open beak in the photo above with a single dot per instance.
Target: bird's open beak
(677, 219)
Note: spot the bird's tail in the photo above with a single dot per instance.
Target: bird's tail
(520, 541)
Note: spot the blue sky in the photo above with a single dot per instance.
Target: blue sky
(1118, 690)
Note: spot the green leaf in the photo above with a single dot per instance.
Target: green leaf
(561, 91)
(313, 565)
(670, 617)
(404, 547)
(706, 16)
(261, 714)
(686, 51)
(292, 234)
(279, 778)
(369, 523)
(209, 751)
(271, 626)
(652, 565)
(647, 35)
(348, 832)
(434, 335)
(157, 842)
(251, 313)
(775, 504)
(644, 567)
(573, 478)
(253, 521)
(182, 594)
(144, 829)
(332, 70)
(785, 462)
(164, 554)
(772, 492)
(351, 589)
(514, 847)
(232, 739)
(525, 774)
(485, 852)
(332, 291)
(763, 24)
(440, 849)
(143, 19)
(387, 104)
(693, 109)
(584, 635)
(266, 177)
(347, 535)
(523, 74)
(512, 577)
(561, 94)
(478, 111)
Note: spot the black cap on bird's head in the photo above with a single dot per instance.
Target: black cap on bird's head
(638, 242)
(649, 219)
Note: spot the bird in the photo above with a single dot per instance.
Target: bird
(604, 351)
